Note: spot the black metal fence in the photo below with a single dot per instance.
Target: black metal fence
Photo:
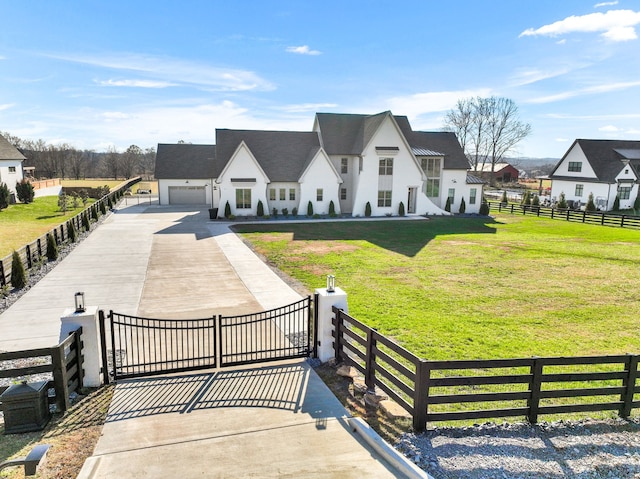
(35, 252)
(145, 346)
(63, 361)
(577, 216)
(461, 390)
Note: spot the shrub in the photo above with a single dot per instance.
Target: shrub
(616, 203)
(52, 248)
(5, 196)
(447, 206)
(85, 221)
(636, 203)
(401, 209)
(562, 202)
(367, 209)
(109, 202)
(18, 274)
(25, 192)
(72, 232)
(332, 209)
(94, 213)
(484, 208)
(274, 212)
(535, 201)
(285, 211)
(463, 207)
(103, 208)
(294, 211)
(84, 196)
(260, 210)
(591, 206)
(309, 209)
(227, 210)
(63, 204)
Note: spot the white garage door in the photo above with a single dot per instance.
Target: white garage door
(187, 195)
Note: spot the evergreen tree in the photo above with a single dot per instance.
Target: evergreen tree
(636, 203)
(85, 221)
(260, 211)
(463, 207)
(52, 248)
(484, 208)
(5, 196)
(591, 206)
(18, 274)
(367, 209)
(447, 206)
(535, 201)
(25, 192)
(616, 203)
(309, 209)
(401, 209)
(71, 231)
(562, 202)
(227, 210)
(526, 198)
(332, 209)
(504, 199)
(103, 208)
(94, 213)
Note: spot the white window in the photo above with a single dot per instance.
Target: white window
(575, 166)
(472, 196)
(384, 198)
(243, 198)
(625, 192)
(12, 169)
(386, 167)
(343, 193)
(292, 194)
(344, 166)
(579, 190)
(431, 167)
(272, 194)
(283, 194)
(319, 194)
(452, 195)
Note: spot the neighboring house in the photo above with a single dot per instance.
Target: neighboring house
(502, 172)
(10, 165)
(347, 159)
(606, 168)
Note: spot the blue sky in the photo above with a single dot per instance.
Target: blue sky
(114, 73)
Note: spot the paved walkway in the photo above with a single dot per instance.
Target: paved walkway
(278, 420)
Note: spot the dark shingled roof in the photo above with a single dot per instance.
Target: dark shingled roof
(8, 151)
(283, 155)
(348, 134)
(184, 160)
(603, 157)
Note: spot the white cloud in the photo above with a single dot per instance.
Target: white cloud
(533, 75)
(421, 103)
(135, 83)
(6, 106)
(305, 107)
(609, 129)
(176, 71)
(605, 4)
(616, 25)
(608, 87)
(303, 50)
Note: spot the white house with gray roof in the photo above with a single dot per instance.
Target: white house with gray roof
(10, 165)
(606, 168)
(347, 159)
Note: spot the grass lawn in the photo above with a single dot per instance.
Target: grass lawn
(467, 288)
(23, 223)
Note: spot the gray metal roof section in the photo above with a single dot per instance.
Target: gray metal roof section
(8, 151)
(283, 155)
(474, 180)
(425, 152)
(184, 160)
(629, 153)
(604, 157)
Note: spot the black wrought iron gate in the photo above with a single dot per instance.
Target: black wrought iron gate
(145, 346)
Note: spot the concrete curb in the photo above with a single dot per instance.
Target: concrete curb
(393, 457)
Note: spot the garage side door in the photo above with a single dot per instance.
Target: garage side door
(187, 195)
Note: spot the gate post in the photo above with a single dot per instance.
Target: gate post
(88, 320)
(326, 300)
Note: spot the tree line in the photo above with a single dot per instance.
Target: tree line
(65, 161)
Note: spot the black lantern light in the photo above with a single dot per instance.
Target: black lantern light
(80, 302)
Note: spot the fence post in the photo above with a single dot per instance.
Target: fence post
(622, 222)
(421, 395)
(338, 333)
(103, 346)
(629, 383)
(602, 219)
(60, 378)
(29, 260)
(3, 280)
(512, 205)
(314, 338)
(552, 211)
(369, 361)
(534, 386)
(584, 216)
(79, 346)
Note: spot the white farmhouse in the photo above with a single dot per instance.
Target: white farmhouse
(10, 165)
(606, 168)
(350, 160)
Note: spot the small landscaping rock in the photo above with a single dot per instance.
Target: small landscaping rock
(347, 371)
(393, 410)
(373, 398)
(359, 385)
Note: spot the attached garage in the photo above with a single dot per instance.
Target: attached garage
(187, 195)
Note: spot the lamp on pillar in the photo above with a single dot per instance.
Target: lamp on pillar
(79, 298)
(331, 283)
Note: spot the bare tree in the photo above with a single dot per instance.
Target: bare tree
(487, 128)
(77, 163)
(112, 162)
(130, 161)
(148, 163)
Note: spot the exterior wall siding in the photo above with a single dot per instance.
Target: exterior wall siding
(11, 179)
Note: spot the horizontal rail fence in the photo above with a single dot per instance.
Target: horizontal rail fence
(576, 216)
(463, 390)
(35, 252)
(63, 361)
(280, 333)
(145, 346)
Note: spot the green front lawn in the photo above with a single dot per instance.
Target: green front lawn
(466, 288)
(21, 224)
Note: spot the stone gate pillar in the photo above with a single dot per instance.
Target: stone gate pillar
(326, 300)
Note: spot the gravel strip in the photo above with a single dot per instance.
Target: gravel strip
(564, 449)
